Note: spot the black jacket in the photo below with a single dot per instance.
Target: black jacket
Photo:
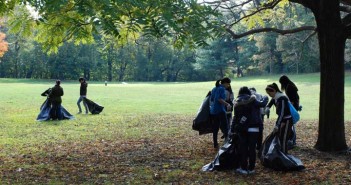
(55, 94)
(282, 108)
(291, 92)
(83, 88)
(248, 106)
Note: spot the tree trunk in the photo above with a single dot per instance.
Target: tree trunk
(109, 64)
(331, 133)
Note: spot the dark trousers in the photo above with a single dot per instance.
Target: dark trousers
(259, 139)
(285, 133)
(219, 121)
(56, 111)
(247, 149)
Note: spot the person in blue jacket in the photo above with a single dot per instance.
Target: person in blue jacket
(218, 109)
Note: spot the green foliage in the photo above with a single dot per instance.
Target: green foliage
(187, 22)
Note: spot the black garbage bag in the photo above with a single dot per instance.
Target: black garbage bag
(202, 121)
(227, 157)
(45, 112)
(93, 107)
(272, 157)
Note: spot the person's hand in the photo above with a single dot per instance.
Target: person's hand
(267, 111)
(229, 107)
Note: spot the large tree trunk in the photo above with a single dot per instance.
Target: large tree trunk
(331, 133)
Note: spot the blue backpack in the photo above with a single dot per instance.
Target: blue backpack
(294, 114)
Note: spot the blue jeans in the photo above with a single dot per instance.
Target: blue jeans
(81, 98)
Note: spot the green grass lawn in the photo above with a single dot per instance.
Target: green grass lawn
(135, 114)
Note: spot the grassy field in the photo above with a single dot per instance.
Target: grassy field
(143, 136)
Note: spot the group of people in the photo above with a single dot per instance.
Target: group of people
(249, 108)
(52, 107)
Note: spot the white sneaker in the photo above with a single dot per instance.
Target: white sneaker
(251, 171)
(241, 171)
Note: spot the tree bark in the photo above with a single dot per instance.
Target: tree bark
(331, 133)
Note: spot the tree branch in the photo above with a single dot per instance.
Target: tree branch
(270, 5)
(261, 30)
(311, 4)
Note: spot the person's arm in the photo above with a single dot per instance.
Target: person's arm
(271, 102)
(261, 103)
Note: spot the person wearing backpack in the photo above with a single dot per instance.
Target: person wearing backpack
(284, 121)
(218, 109)
(247, 123)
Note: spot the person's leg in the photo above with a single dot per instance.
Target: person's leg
(85, 106)
(259, 139)
(224, 124)
(59, 112)
(243, 150)
(80, 99)
(252, 142)
(216, 123)
(284, 133)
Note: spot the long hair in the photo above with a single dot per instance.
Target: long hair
(221, 81)
(285, 81)
(273, 87)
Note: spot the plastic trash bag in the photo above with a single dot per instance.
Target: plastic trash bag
(202, 121)
(93, 107)
(45, 109)
(227, 157)
(272, 157)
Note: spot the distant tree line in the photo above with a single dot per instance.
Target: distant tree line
(156, 59)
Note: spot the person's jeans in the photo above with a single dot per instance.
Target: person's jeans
(219, 121)
(81, 98)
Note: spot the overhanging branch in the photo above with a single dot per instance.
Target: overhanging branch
(261, 30)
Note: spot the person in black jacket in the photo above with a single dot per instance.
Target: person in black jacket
(290, 90)
(247, 123)
(55, 99)
(83, 94)
(284, 121)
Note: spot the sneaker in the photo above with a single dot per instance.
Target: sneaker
(79, 112)
(241, 171)
(87, 113)
(251, 171)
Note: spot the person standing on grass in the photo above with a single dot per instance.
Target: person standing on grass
(56, 101)
(284, 121)
(83, 95)
(218, 109)
(247, 123)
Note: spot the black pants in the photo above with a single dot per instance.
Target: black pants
(56, 111)
(219, 121)
(285, 133)
(247, 149)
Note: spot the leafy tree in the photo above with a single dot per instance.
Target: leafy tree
(333, 29)
(3, 44)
